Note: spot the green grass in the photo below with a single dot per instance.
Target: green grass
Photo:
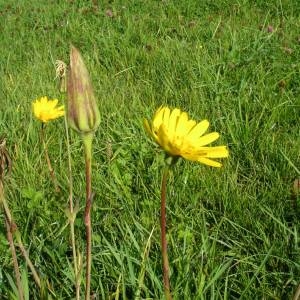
(233, 232)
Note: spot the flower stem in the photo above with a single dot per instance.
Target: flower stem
(27, 259)
(51, 170)
(15, 260)
(163, 223)
(19, 241)
(87, 141)
(297, 293)
(10, 229)
(72, 215)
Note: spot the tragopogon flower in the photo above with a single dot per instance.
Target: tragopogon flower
(83, 112)
(180, 136)
(46, 110)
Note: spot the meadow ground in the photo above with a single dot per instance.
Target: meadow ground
(233, 232)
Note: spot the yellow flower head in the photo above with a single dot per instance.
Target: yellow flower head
(46, 110)
(180, 136)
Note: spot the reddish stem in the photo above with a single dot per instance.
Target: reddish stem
(10, 229)
(87, 140)
(163, 225)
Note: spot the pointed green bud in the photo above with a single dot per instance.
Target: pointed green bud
(83, 112)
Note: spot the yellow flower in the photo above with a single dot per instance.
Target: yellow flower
(180, 136)
(46, 110)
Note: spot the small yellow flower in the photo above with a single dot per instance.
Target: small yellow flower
(46, 110)
(180, 136)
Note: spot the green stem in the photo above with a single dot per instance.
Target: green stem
(87, 141)
(72, 214)
(163, 224)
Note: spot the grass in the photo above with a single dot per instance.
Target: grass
(233, 233)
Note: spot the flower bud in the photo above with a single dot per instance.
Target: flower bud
(83, 112)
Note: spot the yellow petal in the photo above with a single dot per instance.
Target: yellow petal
(158, 118)
(216, 152)
(43, 100)
(52, 104)
(205, 140)
(193, 156)
(198, 130)
(173, 123)
(166, 117)
(209, 162)
(59, 113)
(62, 108)
(182, 121)
(164, 141)
(162, 137)
(184, 125)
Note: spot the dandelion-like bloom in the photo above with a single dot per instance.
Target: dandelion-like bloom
(180, 136)
(46, 110)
